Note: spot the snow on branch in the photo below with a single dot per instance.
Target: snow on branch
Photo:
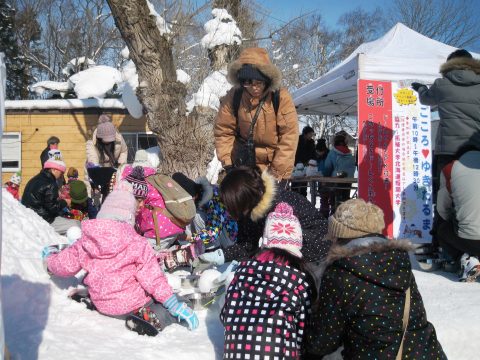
(221, 30)
(212, 89)
(159, 20)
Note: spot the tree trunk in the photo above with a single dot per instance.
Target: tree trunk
(186, 142)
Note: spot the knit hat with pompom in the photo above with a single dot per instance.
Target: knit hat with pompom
(106, 130)
(137, 179)
(355, 218)
(120, 204)
(283, 231)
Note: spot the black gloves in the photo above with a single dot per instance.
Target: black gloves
(416, 86)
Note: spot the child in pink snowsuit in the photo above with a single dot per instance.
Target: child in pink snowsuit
(123, 274)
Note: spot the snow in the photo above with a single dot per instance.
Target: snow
(214, 86)
(128, 88)
(183, 77)
(63, 104)
(41, 322)
(61, 87)
(72, 65)
(213, 169)
(160, 21)
(125, 53)
(221, 30)
(95, 81)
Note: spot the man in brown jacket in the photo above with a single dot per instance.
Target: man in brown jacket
(275, 133)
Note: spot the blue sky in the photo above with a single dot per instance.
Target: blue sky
(330, 10)
(280, 11)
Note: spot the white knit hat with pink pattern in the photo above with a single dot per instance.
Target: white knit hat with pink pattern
(283, 231)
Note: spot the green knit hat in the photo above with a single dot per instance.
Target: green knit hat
(78, 192)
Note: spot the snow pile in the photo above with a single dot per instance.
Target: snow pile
(128, 88)
(42, 323)
(221, 30)
(95, 81)
(214, 86)
(183, 77)
(75, 64)
(56, 87)
(160, 21)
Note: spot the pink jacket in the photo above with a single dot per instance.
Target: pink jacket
(144, 218)
(121, 267)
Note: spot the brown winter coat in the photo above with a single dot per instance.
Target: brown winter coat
(275, 137)
(121, 151)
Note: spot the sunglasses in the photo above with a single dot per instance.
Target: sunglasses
(254, 83)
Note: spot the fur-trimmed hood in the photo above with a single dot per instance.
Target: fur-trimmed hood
(257, 57)
(366, 258)
(260, 211)
(462, 71)
(207, 191)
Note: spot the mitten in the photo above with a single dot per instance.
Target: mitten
(215, 257)
(46, 252)
(49, 250)
(416, 86)
(182, 311)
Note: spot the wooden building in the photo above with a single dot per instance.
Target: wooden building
(29, 123)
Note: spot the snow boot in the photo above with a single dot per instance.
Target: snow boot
(470, 268)
(82, 296)
(144, 322)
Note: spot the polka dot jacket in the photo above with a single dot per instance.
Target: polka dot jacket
(265, 311)
(361, 303)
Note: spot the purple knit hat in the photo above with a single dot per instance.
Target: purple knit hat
(137, 179)
(106, 132)
(120, 204)
(283, 231)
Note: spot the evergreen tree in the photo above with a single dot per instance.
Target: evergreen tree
(16, 68)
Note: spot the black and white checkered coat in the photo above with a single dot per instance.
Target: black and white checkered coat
(264, 313)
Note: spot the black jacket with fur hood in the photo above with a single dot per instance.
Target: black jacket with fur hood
(314, 225)
(361, 303)
(457, 95)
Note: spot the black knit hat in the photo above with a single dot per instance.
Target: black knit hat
(139, 185)
(187, 184)
(321, 145)
(460, 53)
(249, 72)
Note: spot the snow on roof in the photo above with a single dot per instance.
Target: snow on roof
(214, 86)
(183, 77)
(63, 104)
(222, 29)
(59, 87)
(73, 64)
(95, 81)
(160, 21)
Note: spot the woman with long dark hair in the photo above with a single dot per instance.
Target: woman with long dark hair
(107, 147)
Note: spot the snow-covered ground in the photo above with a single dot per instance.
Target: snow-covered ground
(41, 322)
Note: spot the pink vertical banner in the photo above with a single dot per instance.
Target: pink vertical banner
(375, 149)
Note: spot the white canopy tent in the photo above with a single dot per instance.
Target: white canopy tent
(400, 54)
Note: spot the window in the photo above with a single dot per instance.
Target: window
(11, 151)
(137, 141)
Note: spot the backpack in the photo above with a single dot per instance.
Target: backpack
(237, 99)
(345, 164)
(179, 205)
